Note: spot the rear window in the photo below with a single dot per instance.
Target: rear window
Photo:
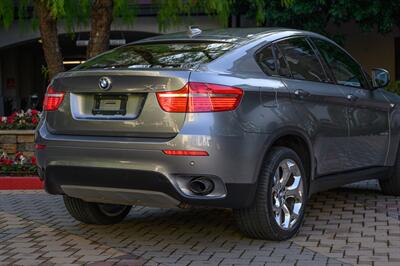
(187, 55)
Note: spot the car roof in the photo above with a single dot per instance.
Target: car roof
(232, 35)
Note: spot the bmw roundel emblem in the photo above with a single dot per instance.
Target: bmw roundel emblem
(104, 83)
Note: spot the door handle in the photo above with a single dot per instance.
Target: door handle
(301, 93)
(351, 97)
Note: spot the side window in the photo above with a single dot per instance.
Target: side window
(303, 62)
(266, 60)
(283, 68)
(347, 72)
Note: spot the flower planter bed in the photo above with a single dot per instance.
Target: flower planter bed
(17, 138)
(14, 141)
(20, 120)
(18, 173)
(19, 166)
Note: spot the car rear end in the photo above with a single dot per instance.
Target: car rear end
(134, 126)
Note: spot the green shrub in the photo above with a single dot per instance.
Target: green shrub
(394, 87)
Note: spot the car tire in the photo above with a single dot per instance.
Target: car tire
(391, 184)
(95, 213)
(260, 219)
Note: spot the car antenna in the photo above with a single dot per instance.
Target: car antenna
(193, 31)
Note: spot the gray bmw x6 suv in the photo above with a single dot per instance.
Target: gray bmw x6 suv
(256, 120)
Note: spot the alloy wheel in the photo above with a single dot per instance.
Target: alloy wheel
(287, 194)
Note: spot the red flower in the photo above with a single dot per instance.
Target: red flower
(13, 115)
(10, 120)
(35, 112)
(7, 162)
(33, 160)
(35, 120)
(18, 154)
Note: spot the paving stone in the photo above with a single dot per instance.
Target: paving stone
(354, 225)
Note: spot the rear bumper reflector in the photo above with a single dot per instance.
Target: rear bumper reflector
(185, 153)
(40, 146)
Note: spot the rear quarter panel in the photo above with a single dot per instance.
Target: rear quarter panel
(266, 105)
(265, 109)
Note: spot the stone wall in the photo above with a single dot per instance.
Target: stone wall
(13, 141)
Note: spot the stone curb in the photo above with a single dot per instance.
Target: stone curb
(20, 183)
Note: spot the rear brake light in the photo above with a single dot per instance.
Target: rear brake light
(204, 97)
(174, 101)
(40, 146)
(197, 97)
(185, 153)
(52, 99)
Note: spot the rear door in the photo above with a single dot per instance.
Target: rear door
(368, 110)
(321, 106)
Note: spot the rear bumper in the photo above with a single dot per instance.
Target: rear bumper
(131, 171)
(135, 187)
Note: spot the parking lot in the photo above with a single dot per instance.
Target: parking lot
(350, 225)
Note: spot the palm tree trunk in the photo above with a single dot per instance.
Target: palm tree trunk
(49, 36)
(101, 19)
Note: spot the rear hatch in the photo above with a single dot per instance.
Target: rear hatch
(127, 104)
(128, 108)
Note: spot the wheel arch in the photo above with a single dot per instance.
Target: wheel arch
(296, 139)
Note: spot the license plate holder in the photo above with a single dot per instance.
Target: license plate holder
(110, 105)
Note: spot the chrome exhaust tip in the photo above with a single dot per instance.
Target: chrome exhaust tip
(201, 186)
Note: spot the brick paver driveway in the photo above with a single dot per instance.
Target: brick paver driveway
(352, 225)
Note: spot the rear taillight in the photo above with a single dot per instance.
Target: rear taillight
(174, 101)
(52, 99)
(197, 97)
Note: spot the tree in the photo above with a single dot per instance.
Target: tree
(101, 13)
(72, 12)
(171, 11)
(49, 37)
(101, 18)
(316, 15)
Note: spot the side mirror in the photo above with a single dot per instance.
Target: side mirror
(380, 78)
